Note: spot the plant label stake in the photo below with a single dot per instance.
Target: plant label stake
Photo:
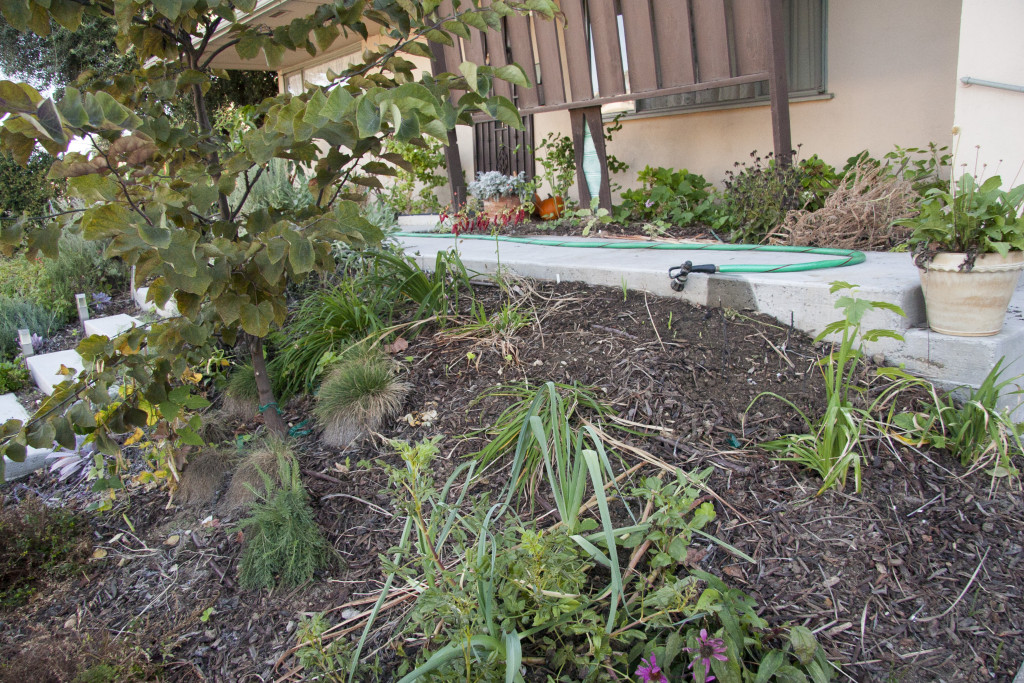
(680, 273)
(25, 339)
(83, 308)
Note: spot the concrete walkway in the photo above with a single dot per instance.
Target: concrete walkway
(802, 299)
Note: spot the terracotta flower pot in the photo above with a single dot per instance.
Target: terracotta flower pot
(551, 208)
(499, 205)
(969, 303)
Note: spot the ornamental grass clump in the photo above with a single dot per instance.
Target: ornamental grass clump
(356, 397)
(241, 396)
(283, 544)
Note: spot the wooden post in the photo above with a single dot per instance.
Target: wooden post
(591, 118)
(778, 83)
(452, 159)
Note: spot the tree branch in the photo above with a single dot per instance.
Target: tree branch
(248, 188)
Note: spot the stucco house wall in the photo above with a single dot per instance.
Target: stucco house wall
(989, 119)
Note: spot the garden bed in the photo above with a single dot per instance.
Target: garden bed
(915, 579)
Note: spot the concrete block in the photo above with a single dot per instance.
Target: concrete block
(169, 310)
(45, 368)
(111, 326)
(425, 222)
(35, 458)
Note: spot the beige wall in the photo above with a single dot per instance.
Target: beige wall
(990, 119)
(891, 68)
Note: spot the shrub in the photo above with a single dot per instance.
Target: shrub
(37, 541)
(758, 196)
(325, 323)
(413, 190)
(677, 197)
(283, 544)
(356, 397)
(16, 314)
(13, 376)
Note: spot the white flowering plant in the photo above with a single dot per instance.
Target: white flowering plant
(495, 184)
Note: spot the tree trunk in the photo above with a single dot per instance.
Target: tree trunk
(268, 404)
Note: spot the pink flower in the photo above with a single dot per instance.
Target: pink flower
(651, 673)
(707, 649)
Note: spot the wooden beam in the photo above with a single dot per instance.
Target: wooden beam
(452, 158)
(778, 83)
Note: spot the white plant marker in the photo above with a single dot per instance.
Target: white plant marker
(25, 339)
(83, 307)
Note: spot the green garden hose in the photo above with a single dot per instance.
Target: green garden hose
(847, 257)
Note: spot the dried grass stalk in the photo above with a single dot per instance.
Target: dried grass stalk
(858, 215)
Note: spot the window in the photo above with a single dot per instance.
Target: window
(805, 36)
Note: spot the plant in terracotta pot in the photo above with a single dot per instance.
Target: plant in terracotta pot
(967, 242)
(499, 193)
(559, 164)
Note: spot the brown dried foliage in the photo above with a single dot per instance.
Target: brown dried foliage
(247, 481)
(203, 477)
(858, 215)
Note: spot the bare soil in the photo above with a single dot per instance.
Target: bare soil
(917, 578)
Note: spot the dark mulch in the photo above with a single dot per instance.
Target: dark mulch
(916, 579)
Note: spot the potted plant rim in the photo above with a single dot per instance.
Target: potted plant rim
(499, 193)
(967, 243)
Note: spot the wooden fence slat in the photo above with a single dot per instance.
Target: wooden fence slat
(552, 85)
(750, 24)
(675, 47)
(712, 35)
(518, 28)
(577, 51)
(498, 58)
(607, 49)
(636, 23)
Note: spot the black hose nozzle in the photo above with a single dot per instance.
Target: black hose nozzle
(679, 273)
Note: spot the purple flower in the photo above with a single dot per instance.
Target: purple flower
(100, 300)
(651, 673)
(37, 341)
(649, 203)
(707, 648)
